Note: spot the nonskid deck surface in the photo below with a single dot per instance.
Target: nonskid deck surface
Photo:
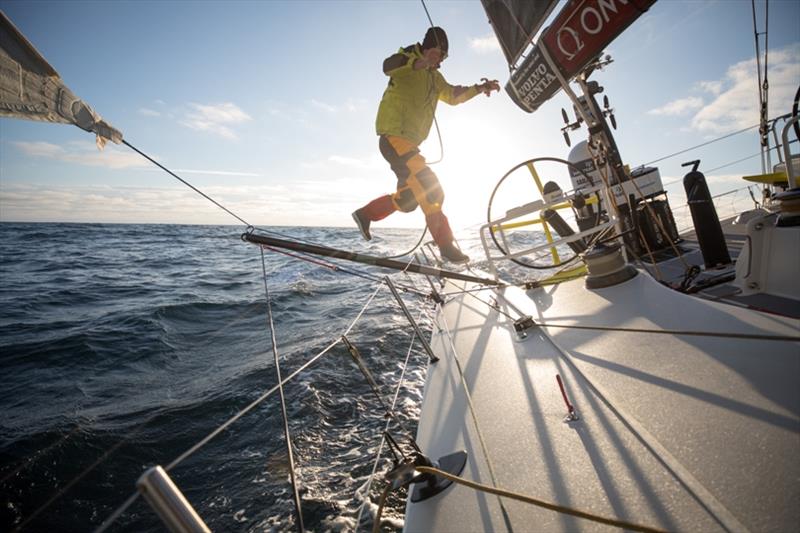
(676, 432)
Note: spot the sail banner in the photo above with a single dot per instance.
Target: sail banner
(579, 33)
(516, 22)
(533, 82)
(584, 28)
(31, 89)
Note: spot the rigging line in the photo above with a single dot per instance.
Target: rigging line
(117, 513)
(195, 189)
(471, 406)
(622, 524)
(207, 197)
(286, 434)
(368, 484)
(414, 249)
(185, 455)
(696, 489)
(734, 162)
(744, 336)
(337, 268)
(208, 438)
(426, 12)
(700, 145)
(83, 474)
(651, 212)
(38, 453)
(136, 430)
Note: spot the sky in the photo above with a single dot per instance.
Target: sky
(269, 106)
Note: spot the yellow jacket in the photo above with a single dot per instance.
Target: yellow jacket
(409, 102)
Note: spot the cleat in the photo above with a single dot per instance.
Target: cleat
(451, 253)
(363, 224)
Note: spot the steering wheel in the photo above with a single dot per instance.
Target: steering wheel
(535, 264)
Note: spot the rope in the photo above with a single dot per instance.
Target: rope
(430, 20)
(117, 513)
(746, 336)
(267, 394)
(725, 518)
(386, 428)
(83, 474)
(208, 438)
(240, 219)
(537, 502)
(472, 413)
(195, 189)
(660, 225)
(376, 526)
(338, 268)
(700, 145)
(284, 414)
(421, 237)
(38, 453)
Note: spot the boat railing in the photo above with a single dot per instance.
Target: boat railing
(510, 221)
(790, 174)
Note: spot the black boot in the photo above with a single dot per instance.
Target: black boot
(451, 253)
(363, 223)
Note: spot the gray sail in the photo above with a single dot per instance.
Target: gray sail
(516, 22)
(31, 89)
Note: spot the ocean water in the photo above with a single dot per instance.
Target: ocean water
(122, 346)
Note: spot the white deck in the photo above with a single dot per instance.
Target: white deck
(675, 432)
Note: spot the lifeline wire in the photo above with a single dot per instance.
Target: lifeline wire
(386, 428)
(205, 440)
(699, 145)
(234, 215)
(286, 433)
(474, 415)
(195, 189)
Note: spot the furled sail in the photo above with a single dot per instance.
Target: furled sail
(516, 22)
(31, 89)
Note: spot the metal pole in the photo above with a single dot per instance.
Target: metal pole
(366, 259)
(169, 503)
(424, 342)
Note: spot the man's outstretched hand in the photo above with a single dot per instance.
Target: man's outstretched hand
(488, 86)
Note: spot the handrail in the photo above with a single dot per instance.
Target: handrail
(787, 152)
(564, 240)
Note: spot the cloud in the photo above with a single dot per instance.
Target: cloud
(264, 204)
(680, 106)
(485, 44)
(87, 154)
(83, 153)
(322, 105)
(148, 112)
(368, 163)
(734, 105)
(217, 172)
(349, 106)
(217, 118)
(713, 87)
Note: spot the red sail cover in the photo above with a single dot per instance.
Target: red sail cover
(584, 28)
(579, 33)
